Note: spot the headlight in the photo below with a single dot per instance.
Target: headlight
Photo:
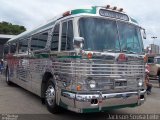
(92, 84)
(140, 83)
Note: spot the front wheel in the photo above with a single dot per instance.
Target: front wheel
(50, 98)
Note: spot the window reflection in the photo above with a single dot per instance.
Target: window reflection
(110, 35)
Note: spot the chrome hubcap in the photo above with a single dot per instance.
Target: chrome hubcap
(50, 95)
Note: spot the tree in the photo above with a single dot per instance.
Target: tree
(9, 28)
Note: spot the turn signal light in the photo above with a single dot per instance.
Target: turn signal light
(78, 87)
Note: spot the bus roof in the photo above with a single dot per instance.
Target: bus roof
(92, 10)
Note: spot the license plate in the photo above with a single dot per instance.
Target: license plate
(120, 83)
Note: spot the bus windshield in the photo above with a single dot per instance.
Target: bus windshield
(110, 35)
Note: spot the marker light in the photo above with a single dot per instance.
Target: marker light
(66, 14)
(122, 57)
(114, 8)
(89, 55)
(120, 9)
(108, 6)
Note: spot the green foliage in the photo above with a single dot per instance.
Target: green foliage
(8, 28)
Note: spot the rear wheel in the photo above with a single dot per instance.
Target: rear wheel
(7, 78)
(50, 98)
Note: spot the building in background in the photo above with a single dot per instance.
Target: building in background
(153, 49)
(3, 40)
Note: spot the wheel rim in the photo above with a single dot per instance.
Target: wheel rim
(50, 95)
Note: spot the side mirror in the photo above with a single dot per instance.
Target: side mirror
(78, 43)
(144, 34)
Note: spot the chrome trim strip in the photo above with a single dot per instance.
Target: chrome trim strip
(84, 97)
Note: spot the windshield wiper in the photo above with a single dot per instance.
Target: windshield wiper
(110, 50)
(129, 51)
(92, 50)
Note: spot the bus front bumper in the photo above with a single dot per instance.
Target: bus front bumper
(97, 102)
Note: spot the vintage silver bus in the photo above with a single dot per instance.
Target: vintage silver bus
(84, 60)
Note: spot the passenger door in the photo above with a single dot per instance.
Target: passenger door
(39, 59)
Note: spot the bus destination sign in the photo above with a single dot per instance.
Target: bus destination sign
(113, 14)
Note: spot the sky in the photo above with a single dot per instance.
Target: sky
(31, 13)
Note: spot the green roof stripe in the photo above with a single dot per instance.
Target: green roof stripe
(42, 55)
(77, 11)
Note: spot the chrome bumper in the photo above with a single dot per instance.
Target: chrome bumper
(142, 97)
(95, 102)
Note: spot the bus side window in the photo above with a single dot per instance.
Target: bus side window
(55, 38)
(13, 48)
(64, 36)
(34, 42)
(42, 40)
(6, 49)
(23, 46)
(39, 41)
(67, 36)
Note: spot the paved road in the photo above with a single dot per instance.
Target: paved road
(16, 100)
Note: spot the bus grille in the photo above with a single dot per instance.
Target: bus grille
(103, 72)
(94, 68)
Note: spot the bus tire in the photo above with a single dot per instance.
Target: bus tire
(7, 78)
(50, 98)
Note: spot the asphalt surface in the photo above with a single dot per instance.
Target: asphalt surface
(14, 100)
